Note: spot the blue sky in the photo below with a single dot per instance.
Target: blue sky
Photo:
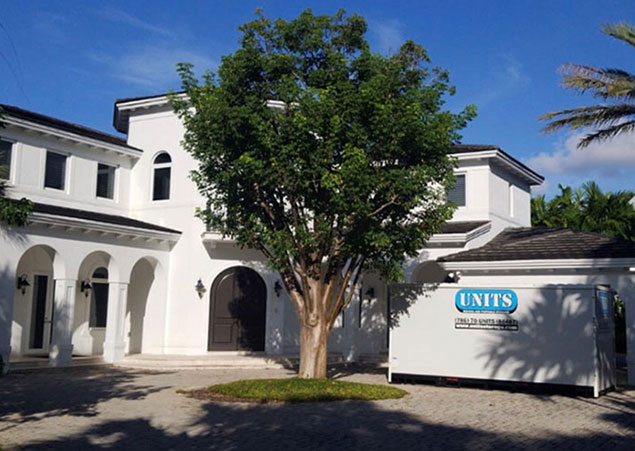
(72, 59)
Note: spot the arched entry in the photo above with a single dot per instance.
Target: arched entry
(238, 304)
(33, 310)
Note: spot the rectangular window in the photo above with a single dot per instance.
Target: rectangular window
(161, 184)
(99, 305)
(105, 181)
(5, 159)
(457, 194)
(55, 175)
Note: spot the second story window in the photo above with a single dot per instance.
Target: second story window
(105, 181)
(457, 194)
(5, 159)
(55, 174)
(162, 173)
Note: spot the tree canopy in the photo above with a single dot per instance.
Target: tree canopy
(587, 209)
(616, 87)
(328, 158)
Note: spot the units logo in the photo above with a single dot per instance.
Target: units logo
(486, 301)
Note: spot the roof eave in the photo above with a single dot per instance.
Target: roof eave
(569, 263)
(116, 230)
(124, 107)
(74, 137)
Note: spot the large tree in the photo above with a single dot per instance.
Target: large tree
(589, 209)
(616, 87)
(328, 158)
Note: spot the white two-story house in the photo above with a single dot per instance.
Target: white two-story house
(114, 262)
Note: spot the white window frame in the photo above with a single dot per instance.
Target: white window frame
(115, 188)
(467, 197)
(90, 296)
(12, 160)
(67, 172)
(161, 166)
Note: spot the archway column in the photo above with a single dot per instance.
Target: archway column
(115, 343)
(7, 289)
(61, 350)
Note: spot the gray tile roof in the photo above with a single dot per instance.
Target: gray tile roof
(98, 217)
(546, 243)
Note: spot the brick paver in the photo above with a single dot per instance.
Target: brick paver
(137, 409)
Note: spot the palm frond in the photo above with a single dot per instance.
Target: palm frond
(607, 133)
(604, 83)
(622, 31)
(593, 116)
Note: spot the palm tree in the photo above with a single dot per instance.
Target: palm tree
(615, 86)
(587, 209)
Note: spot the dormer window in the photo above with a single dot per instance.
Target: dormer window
(162, 172)
(5, 159)
(457, 194)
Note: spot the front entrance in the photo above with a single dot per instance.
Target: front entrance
(41, 314)
(238, 302)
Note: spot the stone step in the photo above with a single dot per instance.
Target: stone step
(36, 363)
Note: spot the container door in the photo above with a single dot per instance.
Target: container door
(605, 337)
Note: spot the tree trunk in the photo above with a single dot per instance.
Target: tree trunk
(313, 350)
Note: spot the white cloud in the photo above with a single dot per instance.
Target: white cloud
(119, 16)
(507, 76)
(614, 158)
(389, 33)
(152, 66)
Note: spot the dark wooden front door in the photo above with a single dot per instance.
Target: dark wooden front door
(237, 311)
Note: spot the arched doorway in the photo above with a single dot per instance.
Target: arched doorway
(33, 310)
(238, 304)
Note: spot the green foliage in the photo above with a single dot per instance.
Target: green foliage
(587, 209)
(304, 390)
(348, 167)
(610, 85)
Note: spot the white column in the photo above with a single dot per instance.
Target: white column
(61, 350)
(7, 291)
(351, 329)
(115, 343)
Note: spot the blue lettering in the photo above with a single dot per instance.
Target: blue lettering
(484, 300)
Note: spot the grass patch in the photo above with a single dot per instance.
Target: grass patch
(296, 390)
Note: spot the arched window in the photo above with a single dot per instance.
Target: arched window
(162, 172)
(99, 299)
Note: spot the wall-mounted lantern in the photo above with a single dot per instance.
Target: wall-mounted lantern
(200, 288)
(23, 282)
(453, 277)
(85, 287)
(277, 287)
(370, 293)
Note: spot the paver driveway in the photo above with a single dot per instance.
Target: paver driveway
(137, 409)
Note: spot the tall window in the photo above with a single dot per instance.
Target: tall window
(55, 175)
(457, 194)
(162, 172)
(5, 159)
(105, 181)
(99, 298)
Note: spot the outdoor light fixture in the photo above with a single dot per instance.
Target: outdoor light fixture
(85, 287)
(200, 288)
(277, 287)
(370, 292)
(23, 283)
(453, 277)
